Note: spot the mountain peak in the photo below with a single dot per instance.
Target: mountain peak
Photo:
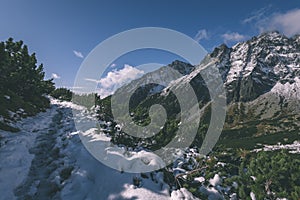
(218, 51)
(182, 67)
(252, 68)
(273, 34)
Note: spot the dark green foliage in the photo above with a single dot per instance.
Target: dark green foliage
(22, 84)
(139, 107)
(277, 175)
(269, 175)
(62, 94)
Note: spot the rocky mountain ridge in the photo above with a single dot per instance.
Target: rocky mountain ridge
(260, 78)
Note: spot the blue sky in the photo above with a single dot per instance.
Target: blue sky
(62, 33)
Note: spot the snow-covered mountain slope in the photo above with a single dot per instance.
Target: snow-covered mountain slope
(261, 80)
(157, 80)
(269, 62)
(254, 67)
(47, 160)
(263, 73)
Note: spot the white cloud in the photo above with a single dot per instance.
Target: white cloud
(113, 65)
(287, 23)
(92, 80)
(257, 15)
(115, 79)
(55, 76)
(202, 34)
(233, 37)
(78, 54)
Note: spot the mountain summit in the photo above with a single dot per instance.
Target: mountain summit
(261, 78)
(268, 62)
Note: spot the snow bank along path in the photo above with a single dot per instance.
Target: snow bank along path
(15, 158)
(46, 160)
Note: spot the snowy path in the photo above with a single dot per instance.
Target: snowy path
(15, 158)
(46, 160)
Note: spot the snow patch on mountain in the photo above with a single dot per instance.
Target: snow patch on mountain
(293, 148)
(238, 60)
(288, 90)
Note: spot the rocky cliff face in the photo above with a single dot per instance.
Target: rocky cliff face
(269, 62)
(261, 78)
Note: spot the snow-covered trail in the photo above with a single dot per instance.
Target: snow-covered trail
(45, 164)
(46, 160)
(15, 158)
